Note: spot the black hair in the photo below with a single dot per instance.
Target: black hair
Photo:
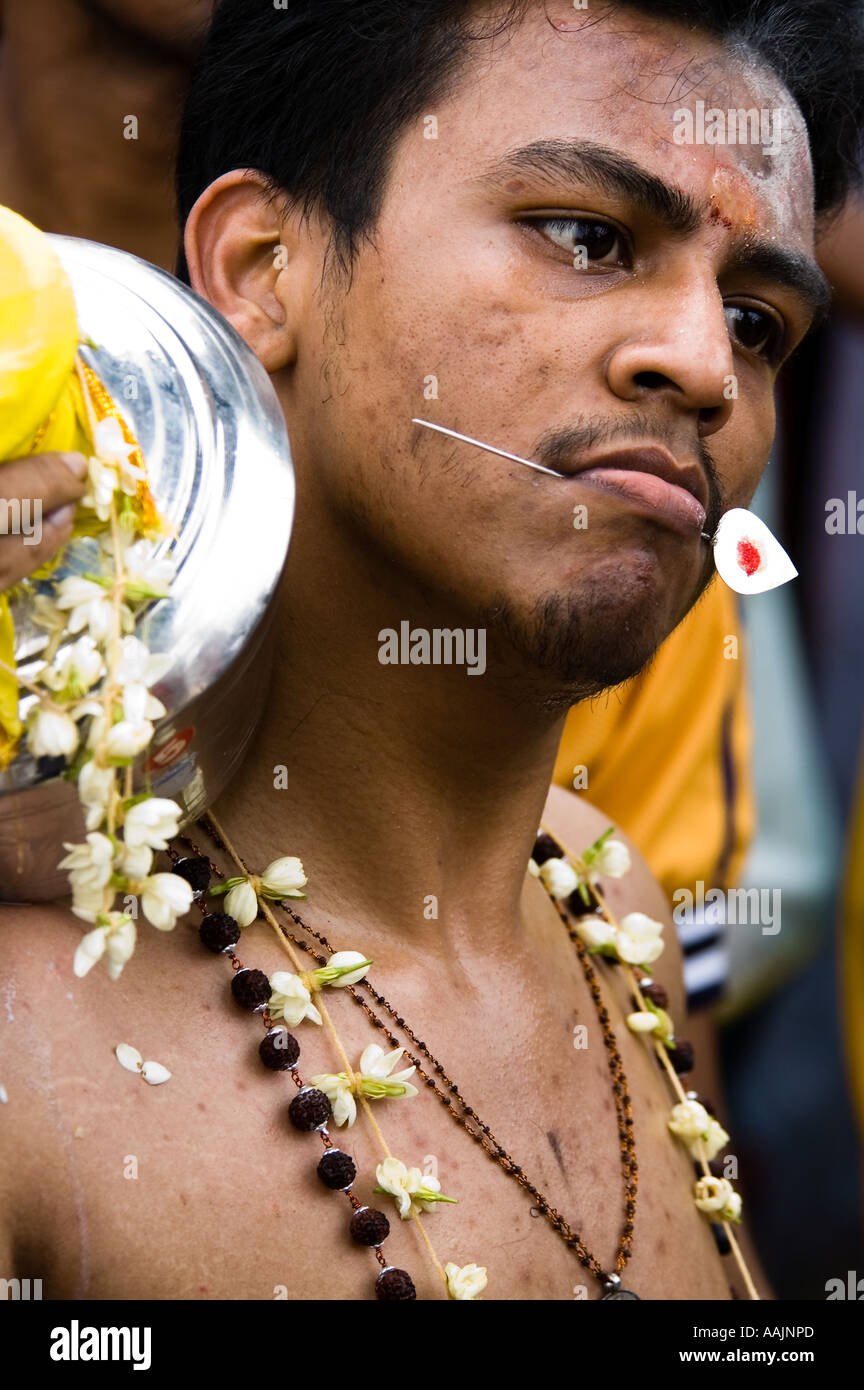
(314, 93)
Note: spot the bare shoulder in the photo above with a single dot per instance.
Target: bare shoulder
(576, 824)
(37, 944)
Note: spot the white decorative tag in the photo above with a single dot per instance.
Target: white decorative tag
(748, 558)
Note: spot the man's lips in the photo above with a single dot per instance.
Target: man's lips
(676, 492)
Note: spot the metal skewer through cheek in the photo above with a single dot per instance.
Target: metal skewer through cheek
(503, 453)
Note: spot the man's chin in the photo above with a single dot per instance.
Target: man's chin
(580, 645)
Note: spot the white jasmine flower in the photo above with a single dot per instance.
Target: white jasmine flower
(732, 1209)
(146, 576)
(115, 936)
(133, 863)
(46, 614)
(87, 604)
(375, 1079)
(713, 1143)
(533, 868)
(700, 1132)
(341, 962)
(51, 733)
(467, 1282)
(129, 1057)
(399, 1181)
(241, 903)
(91, 949)
(376, 1066)
(76, 671)
(152, 822)
(96, 853)
(126, 740)
(90, 901)
(90, 864)
(409, 1187)
(155, 1074)
(96, 710)
(595, 932)
(164, 898)
(716, 1196)
(113, 450)
(101, 485)
(338, 1089)
(643, 1022)
(284, 878)
(94, 790)
(138, 664)
(711, 1194)
(689, 1120)
(558, 877)
(612, 860)
(139, 704)
(638, 939)
(427, 1193)
(290, 999)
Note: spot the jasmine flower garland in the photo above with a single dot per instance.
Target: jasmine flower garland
(94, 705)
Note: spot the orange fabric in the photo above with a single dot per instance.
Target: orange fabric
(654, 751)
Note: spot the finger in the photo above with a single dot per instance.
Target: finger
(52, 478)
(32, 539)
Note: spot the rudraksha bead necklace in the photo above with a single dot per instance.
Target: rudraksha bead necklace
(280, 1050)
(483, 1134)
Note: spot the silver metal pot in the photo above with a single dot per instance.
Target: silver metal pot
(219, 467)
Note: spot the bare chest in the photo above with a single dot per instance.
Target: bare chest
(202, 1188)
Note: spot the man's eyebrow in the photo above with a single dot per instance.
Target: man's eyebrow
(588, 162)
(792, 268)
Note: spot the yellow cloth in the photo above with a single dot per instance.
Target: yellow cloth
(41, 404)
(43, 408)
(668, 752)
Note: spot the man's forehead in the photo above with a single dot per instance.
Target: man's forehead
(705, 117)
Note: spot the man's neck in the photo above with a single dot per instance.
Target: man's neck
(73, 90)
(413, 792)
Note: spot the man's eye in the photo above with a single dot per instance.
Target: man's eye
(756, 331)
(586, 239)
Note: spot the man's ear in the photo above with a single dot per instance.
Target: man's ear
(239, 259)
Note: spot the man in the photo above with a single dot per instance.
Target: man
(396, 258)
(78, 76)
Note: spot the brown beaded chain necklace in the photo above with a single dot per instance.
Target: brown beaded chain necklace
(333, 1164)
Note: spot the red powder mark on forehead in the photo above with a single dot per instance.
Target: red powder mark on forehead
(749, 557)
(731, 200)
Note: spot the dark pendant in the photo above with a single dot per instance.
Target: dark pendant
(620, 1293)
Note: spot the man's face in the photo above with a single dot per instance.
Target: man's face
(468, 308)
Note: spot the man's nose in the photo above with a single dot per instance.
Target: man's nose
(677, 347)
